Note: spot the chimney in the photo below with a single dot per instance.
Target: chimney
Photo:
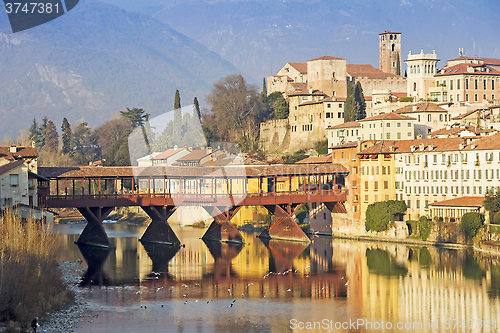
(431, 147)
(175, 147)
(391, 149)
(461, 145)
(422, 147)
(472, 146)
(13, 149)
(414, 107)
(209, 150)
(419, 136)
(412, 148)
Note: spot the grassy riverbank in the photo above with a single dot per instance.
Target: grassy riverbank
(30, 282)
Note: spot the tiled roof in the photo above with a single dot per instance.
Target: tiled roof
(421, 107)
(196, 155)
(452, 131)
(349, 144)
(349, 124)
(167, 153)
(9, 166)
(460, 202)
(462, 116)
(334, 99)
(368, 71)
(460, 69)
(491, 61)
(316, 160)
(388, 116)
(299, 86)
(311, 102)
(23, 152)
(299, 66)
(326, 57)
(399, 94)
(305, 92)
(438, 144)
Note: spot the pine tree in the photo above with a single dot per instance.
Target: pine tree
(197, 108)
(136, 117)
(280, 108)
(42, 130)
(34, 133)
(66, 136)
(359, 100)
(51, 137)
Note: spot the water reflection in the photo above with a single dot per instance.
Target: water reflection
(329, 278)
(95, 258)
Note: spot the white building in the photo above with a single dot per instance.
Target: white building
(429, 117)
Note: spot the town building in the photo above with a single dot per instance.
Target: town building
(390, 52)
(421, 69)
(452, 210)
(385, 126)
(429, 117)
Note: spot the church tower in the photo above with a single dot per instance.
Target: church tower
(390, 52)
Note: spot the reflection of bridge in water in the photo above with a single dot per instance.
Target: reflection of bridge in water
(281, 189)
(221, 281)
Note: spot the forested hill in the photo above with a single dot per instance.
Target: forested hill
(96, 60)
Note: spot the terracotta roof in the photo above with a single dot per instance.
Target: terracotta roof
(311, 102)
(316, 160)
(299, 86)
(349, 124)
(196, 155)
(389, 32)
(388, 116)
(250, 171)
(452, 131)
(462, 116)
(463, 57)
(460, 202)
(299, 66)
(438, 144)
(7, 167)
(491, 61)
(305, 92)
(368, 71)
(334, 99)
(349, 144)
(460, 69)
(23, 152)
(399, 94)
(421, 107)
(167, 153)
(326, 57)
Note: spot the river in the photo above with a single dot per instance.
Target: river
(331, 285)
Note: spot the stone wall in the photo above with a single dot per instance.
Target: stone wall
(394, 84)
(274, 134)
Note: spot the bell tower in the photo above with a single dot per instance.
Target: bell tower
(390, 52)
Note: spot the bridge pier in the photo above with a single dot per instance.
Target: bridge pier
(159, 231)
(94, 233)
(221, 229)
(283, 226)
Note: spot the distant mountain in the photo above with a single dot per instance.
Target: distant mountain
(96, 60)
(260, 36)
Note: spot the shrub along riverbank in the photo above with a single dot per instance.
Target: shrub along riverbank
(30, 282)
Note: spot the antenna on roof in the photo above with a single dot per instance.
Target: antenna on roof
(460, 51)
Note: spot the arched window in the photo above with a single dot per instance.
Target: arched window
(414, 86)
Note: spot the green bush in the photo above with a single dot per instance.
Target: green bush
(425, 226)
(496, 218)
(405, 99)
(471, 222)
(379, 214)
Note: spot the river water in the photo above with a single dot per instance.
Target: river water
(330, 285)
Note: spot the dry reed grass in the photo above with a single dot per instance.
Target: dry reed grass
(30, 281)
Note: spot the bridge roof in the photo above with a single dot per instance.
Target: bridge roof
(250, 171)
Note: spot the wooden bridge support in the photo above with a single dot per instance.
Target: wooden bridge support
(160, 255)
(159, 231)
(95, 259)
(94, 233)
(221, 229)
(283, 226)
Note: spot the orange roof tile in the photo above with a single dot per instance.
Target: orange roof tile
(167, 153)
(349, 124)
(316, 160)
(420, 107)
(368, 71)
(22, 152)
(301, 67)
(326, 57)
(462, 116)
(460, 202)
(388, 116)
(462, 68)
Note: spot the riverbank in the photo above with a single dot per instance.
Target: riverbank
(69, 317)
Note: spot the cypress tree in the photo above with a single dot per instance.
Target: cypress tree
(398, 65)
(359, 100)
(66, 136)
(197, 108)
(349, 110)
(177, 101)
(263, 94)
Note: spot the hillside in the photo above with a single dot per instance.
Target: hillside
(96, 60)
(260, 36)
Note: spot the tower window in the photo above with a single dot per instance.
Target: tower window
(392, 47)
